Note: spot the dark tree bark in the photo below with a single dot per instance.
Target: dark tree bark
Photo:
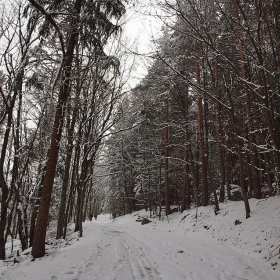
(61, 214)
(219, 130)
(240, 155)
(252, 147)
(72, 191)
(201, 143)
(3, 184)
(16, 183)
(166, 154)
(38, 249)
(36, 206)
(21, 232)
(186, 199)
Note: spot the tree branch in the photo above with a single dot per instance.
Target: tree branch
(51, 21)
(196, 86)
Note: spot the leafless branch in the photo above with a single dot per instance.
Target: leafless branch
(52, 22)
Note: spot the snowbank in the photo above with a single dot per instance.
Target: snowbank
(258, 236)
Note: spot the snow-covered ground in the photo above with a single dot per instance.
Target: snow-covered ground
(209, 247)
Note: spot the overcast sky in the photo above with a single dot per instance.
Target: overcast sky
(141, 27)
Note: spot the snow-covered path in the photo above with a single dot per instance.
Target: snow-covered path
(127, 250)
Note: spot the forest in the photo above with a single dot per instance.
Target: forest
(201, 128)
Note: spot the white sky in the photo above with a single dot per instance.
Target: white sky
(142, 24)
(141, 27)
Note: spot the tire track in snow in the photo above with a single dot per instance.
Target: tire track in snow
(116, 257)
(138, 260)
(132, 260)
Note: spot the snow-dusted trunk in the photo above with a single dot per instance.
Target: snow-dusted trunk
(166, 154)
(61, 214)
(20, 227)
(253, 151)
(219, 129)
(240, 155)
(186, 181)
(16, 182)
(201, 143)
(81, 190)
(72, 191)
(3, 184)
(35, 209)
(274, 14)
(269, 99)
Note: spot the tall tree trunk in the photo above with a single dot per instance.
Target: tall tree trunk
(36, 207)
(227, 178)
(268, 98)
(222, 176)
(251, 138)
(166, 154)
(81, 190)
(78, 208)
(194, 171)
(160, 187)
(15, 178)
(201, 143)
(274, 14)
(61, 214)
(21, 233)
(38, 249)
(240, 155)
(186, 200)
(3, 184)
(72, 190)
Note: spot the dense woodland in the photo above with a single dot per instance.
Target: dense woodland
(75, 141)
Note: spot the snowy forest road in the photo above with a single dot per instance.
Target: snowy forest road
(127, 250)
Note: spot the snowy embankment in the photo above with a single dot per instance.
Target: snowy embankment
(207, 247)
(258, 236)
